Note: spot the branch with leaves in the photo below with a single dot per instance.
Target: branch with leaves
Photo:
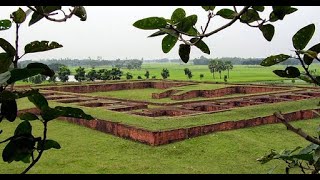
(180, 27)
(23, 146)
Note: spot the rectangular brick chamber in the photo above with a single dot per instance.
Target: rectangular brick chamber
(157, 138)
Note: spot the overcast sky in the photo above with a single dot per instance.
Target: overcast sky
(108, 32)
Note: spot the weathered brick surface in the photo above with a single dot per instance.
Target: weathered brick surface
(156, 138)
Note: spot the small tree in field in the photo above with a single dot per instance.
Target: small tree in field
(201, 76)
(147, 74)
(80, 74)
(129, 76)
(92, 74)
(165, 73)
(228, 66)
(64, 73)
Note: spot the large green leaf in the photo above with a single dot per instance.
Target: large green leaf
(250, 16)
(280, 73)
(49, 114)
(178, 15)
(19, 16)
(184, 52)
(192, 31)
(74, 112)
(292, 72)
(28, 116)
(207, 8)
(7, 47)
(9, 109)
(4, 77)
(303, 36)
(267, 31)
(19, 149)
(150, 23)
(20, 74)
(8, 96)
(81, 13)
(39, 101)
(48, 144)
(307, 59)
(24, 128)
(272, 60)
(37, 46)
(42, 9)
(5, 24)
(281, 11)
(45, 69)
(158, 33)
(168, 43)
(201, 45)
(226, 13)
(187, 23)
(172, 32)
(258, 8)
(5, 62)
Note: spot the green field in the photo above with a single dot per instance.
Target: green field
(230, 152)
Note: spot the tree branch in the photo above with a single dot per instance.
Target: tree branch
(306, 69)
(42, 148)
(47, 16)
(298, 131)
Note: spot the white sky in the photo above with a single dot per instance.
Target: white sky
(108, 32)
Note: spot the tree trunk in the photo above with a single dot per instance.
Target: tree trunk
(220, 74)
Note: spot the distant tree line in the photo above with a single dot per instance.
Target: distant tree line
(56, 63)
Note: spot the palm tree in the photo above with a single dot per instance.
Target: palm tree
(212, 66)
(229, 66)
(220, 67)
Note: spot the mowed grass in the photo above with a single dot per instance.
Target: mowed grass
(146, 94)
(85, 151)
(167, 123)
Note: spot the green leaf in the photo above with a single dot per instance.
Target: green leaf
(184, 52)
(292, 72)
(8, 152)
(273, 17)
(37, 46)
(5, 62)
(158, 33)
(272, 60)
(4, 77)
(305, 78)
(81, 13)
(303, 36)
(39, 101)
(201, 45)
(250, 16)
(207, 8)
(5, 24)
(49, 114)
(19, 16)
(28, 116)
(49, 144)
(45, 69)
(8, 96)
(19, 74)
(281, 11)
(267, 31)
(74, 112)
(7, 47)
(187, 23)
(170, 31)
(178, 15)
(19, 149)
(168, 43)
(280, 73)
(258, 8)
(9, 109)
(309, 148)
(150, 23)
(226, 13)
(23, 128)
(192, 31)
(43, 9)
(307, 59)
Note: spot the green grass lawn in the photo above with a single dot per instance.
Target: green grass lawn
(92, 152)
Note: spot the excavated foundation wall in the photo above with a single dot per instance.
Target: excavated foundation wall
(156, 138)
(223, 91)
(115, 86)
